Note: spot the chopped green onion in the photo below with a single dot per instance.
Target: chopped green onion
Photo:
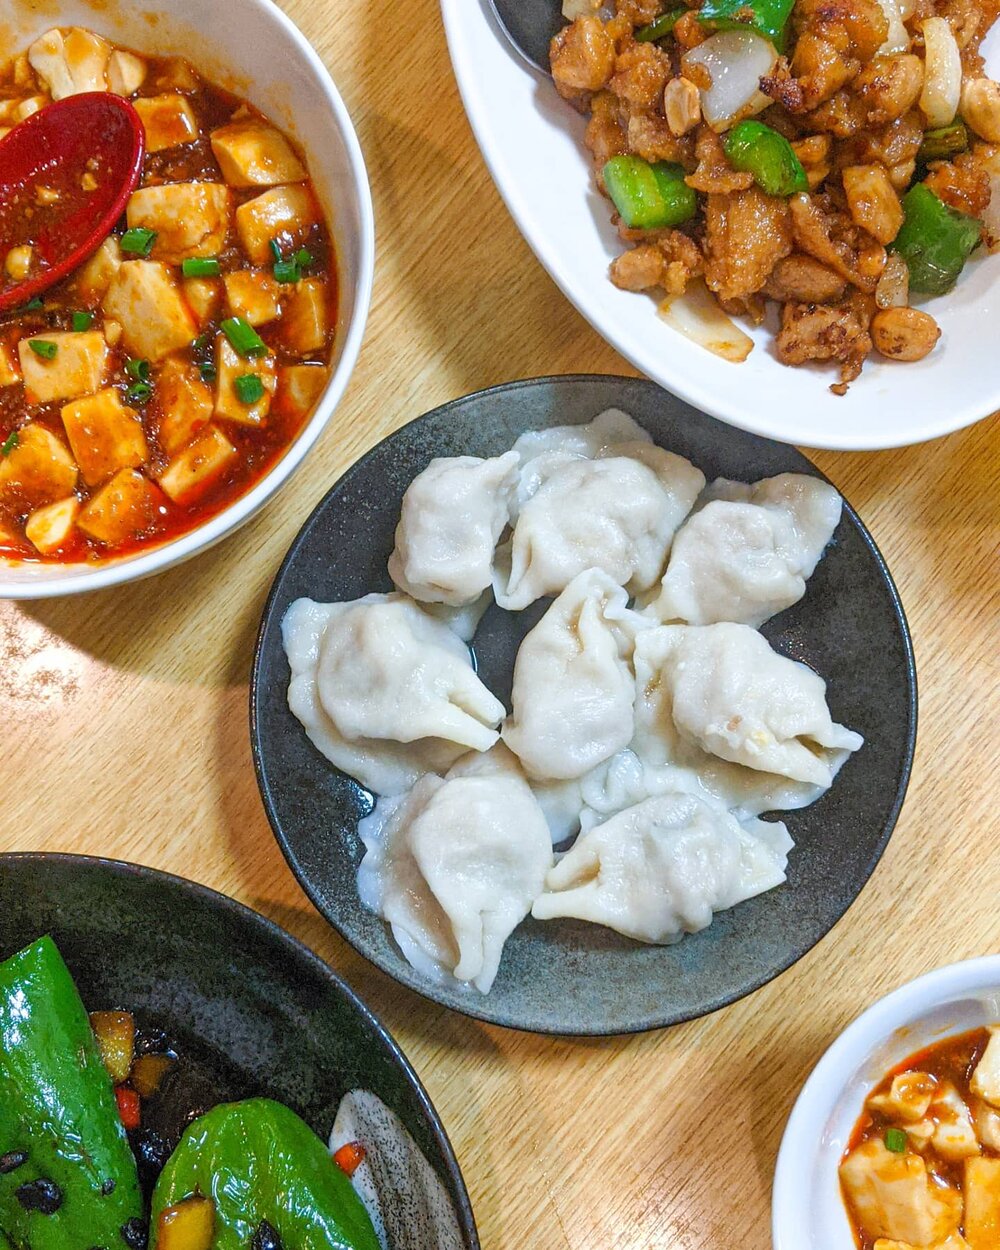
(82, 321)
(249, 388)
(757, 149)
(138, 369)
(208, 371)
(766, 17)
(287, 271)
(200, 343)
(944, 143)
(276, 251)
(649, 197)
(139, 393)
(33, 304)
(9, 443)
(43, 348)
(200, 267)
(895, 1140)
(138, 241)
(935, 240)
(659, 28)
(243, 337)
(304, 257)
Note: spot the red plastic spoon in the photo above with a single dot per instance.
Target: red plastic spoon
(66, 174)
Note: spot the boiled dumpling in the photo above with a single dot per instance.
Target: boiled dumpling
(573, 690)
(560, 801)
(384, 690)
(663, 867)
(452, 517)
(454, 867)
(747, 551)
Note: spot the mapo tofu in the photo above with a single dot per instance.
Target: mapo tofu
(162, 379)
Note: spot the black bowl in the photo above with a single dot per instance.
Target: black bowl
(566, 976)
(264, 1015)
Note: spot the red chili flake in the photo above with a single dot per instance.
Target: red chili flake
(350, 1157)
(129, 1107)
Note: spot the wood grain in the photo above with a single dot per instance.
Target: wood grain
(125, 726)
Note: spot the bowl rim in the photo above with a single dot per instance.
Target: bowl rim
(911, 1000)
(299, 953)
(82, 579)
(459, 16)
(413, 980)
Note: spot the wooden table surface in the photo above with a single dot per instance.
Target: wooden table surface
(125, 726)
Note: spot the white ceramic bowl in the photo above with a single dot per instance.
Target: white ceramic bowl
(807, 1209)
(251, 47)
(533, 144)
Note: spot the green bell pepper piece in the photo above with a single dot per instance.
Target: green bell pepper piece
(258, 1161)
(757, 149)
(935, 240)
(660, 27)
(766, 17)
(944, 143)
(57, 1105)
(649, 197)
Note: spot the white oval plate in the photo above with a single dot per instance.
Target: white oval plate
(533, 144)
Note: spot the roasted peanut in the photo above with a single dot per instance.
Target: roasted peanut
(981, 108)
(681, 105)
(873, 201)
(904, 333)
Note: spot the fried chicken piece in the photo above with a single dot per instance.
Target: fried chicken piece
(803, 280)
(640, 74)
(582, 57)
(670, 263)
(605, 136)
(854, 28)
(835, 241)
(963, 183)
(747, 233)
(714, 175)
(650, 136)
(837, 332)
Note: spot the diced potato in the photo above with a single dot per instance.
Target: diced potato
(986, 1078)
(198, 465)
(987, 1122)
(187, 1225)
(10, 370)
(190, 218)
(204, 297)
(177, 75)
(282, 210)
(147, 301)
(126, 72)
(304, 321)
(253, 295)
(185, 401)
(115, 1034)
(27, 108)
(148, 1072)
(51, 527)
(94, 276)
(982, 1203)
(954, 1137)
(955, 1242)
(72, 63)
(893, 1196)
(38, 470)
(123, 508)
(230, 366)
(105, 435)
(77, 368)
(300, 386)
(253, 154)
(169, 120)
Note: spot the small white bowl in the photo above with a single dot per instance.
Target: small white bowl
(807, 1210)
(532, 142)
(252, 48)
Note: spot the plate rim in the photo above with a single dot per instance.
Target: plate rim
(282, 939)
(425, 987)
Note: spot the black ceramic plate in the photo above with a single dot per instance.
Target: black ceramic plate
(252, 1011)
(566, 976)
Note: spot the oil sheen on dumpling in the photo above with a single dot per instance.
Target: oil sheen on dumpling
(385, 691)
(663, 867)
(452, 516)
(747, 551)
(454, 867)
(573, 694)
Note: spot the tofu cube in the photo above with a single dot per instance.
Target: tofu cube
(94, 276)
(986, 1078)
(112, 331)
(190, 218)
(230, 366)
(893, 1196)
(204, 297)
(987, 1122)
(955, 1242)
(177, 75)
(124, 508)
(38, 470)
(70, 63)
(299, 387)
(185, 403)
(10, 370)
(77, 368)
(252, 154)
(169, 120)
(27, 108)
(253, 295)
(280, 211)
(198, 466)
(51, 527)
(304, 320)
(982, 1203)
(105, 435)
(954, 1137)
(126, 72)
(155, 317)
